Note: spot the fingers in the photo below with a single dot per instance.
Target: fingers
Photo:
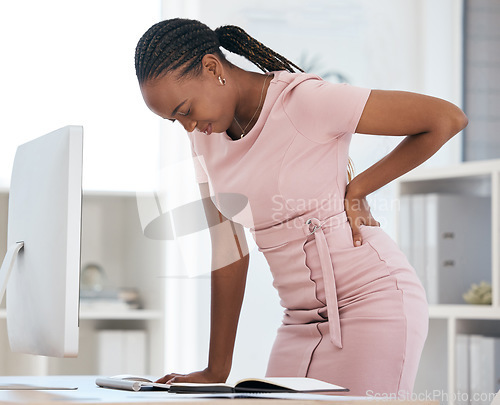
(372, 222)
(167, 379)
(179, 378)
(357, 239)
(356, 225)
(358, 214)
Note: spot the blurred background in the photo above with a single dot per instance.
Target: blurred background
(72, 62)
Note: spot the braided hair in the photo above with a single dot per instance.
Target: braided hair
(182, 43)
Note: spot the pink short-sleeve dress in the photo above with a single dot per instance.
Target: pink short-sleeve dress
(353, 316)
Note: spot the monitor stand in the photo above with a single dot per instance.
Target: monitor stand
(8, 263)
(5, 270)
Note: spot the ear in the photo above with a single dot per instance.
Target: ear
(212, 66)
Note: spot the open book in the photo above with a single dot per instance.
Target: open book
(274, 384)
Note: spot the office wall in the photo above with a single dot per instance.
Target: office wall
(71, 63)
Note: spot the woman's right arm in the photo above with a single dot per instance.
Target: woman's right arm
(228, 278)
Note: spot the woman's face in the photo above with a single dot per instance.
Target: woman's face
(199, 102)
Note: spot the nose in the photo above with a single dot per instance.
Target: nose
(189, 125)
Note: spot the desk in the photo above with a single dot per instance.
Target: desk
(89, 393)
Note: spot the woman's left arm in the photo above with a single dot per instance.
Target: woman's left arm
(427, 122)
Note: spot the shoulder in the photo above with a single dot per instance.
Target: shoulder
(314, 105)
(310, 85)
(306, 90)
(290, 82)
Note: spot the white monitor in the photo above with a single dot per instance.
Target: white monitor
(41, 270)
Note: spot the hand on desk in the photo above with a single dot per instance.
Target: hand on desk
(203, 376)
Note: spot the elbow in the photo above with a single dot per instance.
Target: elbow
(455, 123)
(462, 120)
(458, 122)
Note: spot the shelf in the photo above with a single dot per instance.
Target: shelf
(119, 315)
(122, 315)
(463, 169)
(96, 193)
(115, 193)
(447, 321)
(464, 311)
(111, 237)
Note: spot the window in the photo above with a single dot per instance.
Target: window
(482, 79)
(72, 63)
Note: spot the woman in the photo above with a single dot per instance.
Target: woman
(355, 312)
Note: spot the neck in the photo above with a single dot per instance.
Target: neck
(251, 92)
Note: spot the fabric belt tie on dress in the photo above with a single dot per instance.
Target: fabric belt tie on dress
(316, 229)
(314, 226)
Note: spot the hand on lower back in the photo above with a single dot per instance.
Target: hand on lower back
(358, 214)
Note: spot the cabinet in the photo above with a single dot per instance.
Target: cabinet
(438, 368)
(112, 237)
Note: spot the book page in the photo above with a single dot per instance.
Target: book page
(200, 387)
(292, 383)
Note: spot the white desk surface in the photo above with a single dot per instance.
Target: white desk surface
(89, 393)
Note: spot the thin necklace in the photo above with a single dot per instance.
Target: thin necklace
(254, 114)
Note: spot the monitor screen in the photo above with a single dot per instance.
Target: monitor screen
(41, 270)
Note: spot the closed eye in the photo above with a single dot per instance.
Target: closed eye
(181, 114)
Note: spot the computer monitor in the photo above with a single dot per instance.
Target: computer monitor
(43, 245)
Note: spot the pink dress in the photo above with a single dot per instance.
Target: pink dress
(354, 316)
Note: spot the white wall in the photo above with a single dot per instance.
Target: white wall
(72, 62)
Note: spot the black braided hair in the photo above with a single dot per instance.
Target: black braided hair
(237, 41)
(182, 43)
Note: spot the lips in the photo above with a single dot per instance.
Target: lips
(208, 129)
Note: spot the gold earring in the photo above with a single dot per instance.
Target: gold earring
(222, 81)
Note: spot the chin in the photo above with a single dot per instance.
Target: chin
(218, 129)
